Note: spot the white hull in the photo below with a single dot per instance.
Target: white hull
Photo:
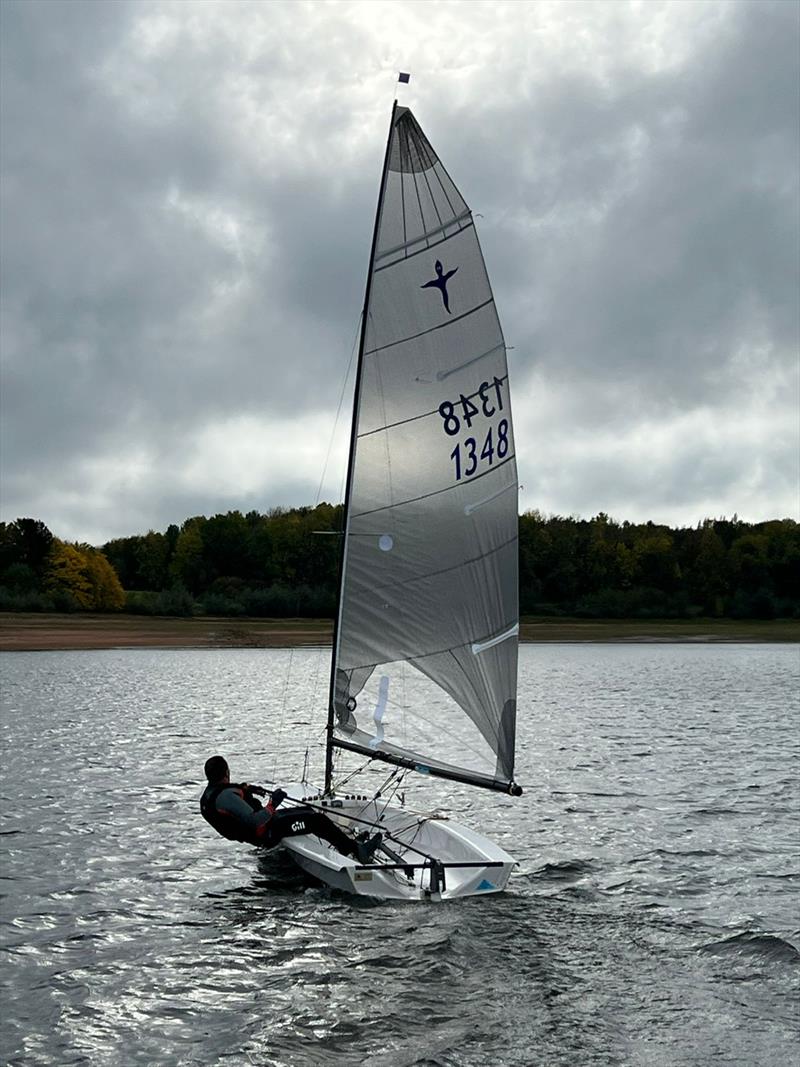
(414, 839)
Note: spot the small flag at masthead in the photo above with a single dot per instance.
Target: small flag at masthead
(405, 78)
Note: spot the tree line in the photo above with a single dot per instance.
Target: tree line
(285, 563)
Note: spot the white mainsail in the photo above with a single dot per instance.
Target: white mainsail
(425, 654)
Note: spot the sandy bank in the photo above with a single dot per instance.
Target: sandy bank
(39, 632)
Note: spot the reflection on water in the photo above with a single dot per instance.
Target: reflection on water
(652, 919)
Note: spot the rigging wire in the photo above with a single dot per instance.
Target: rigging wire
(277, 746)
(314, 692)
(351, 776)
(345, 379)
(417, 819)
(392, 793)
(339, 408)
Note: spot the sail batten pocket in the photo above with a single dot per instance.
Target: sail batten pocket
(481, 646)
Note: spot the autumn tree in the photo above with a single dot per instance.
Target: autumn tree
(65, 576)
(107, 592)
(82, 577)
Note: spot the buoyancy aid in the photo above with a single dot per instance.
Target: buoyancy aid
(226, 825)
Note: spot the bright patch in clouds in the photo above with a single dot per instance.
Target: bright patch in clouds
(234, 458)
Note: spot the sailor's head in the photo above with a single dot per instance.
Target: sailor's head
(216, 769)
(439, 267)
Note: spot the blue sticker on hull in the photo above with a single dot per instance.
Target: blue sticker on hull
(486, 885)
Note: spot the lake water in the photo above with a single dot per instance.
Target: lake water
(653, 918)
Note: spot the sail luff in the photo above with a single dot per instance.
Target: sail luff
(351, 455)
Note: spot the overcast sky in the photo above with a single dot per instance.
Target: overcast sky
(188, 193)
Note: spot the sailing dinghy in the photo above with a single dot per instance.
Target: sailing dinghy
(424, 666)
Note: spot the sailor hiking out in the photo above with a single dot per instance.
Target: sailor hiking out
(236, 813)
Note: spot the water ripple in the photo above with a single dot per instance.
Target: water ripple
(652, 919)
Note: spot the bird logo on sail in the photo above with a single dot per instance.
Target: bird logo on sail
(440, 283)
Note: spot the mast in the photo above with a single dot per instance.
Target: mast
(351, 458)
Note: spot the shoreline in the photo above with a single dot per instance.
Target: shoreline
(33, 632)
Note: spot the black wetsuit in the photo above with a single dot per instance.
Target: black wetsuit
(235, 813)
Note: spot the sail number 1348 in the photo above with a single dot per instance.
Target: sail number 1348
(473, 452)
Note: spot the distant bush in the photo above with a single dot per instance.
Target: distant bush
(219, 604)
(25, 601)
(64, 601)
(759, 604)
(21, 578)
(141, 602)
(175, 601)
(534, 607)
(604, 604)
(276, 601)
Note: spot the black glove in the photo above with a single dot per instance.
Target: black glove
(278, 797)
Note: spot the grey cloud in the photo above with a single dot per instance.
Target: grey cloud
(673, 240)
(641, 232)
